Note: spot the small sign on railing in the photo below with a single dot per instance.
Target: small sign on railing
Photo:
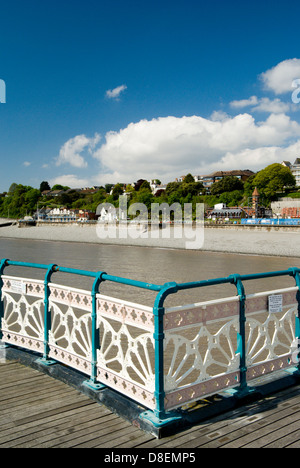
(275, 303)
(18, 287)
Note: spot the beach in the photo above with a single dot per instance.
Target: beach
(229, 239)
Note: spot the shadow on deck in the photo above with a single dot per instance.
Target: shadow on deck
(38, 411)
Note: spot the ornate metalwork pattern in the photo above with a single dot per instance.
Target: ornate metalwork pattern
(23, 321)
(199, 347)
(200, 350)
(270, 335)
(70, 334)
(134, 314)
(126, 357)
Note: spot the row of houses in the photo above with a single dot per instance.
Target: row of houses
(209, 180)
(156, 186)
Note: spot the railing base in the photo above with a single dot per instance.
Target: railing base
(168, 419)
(241, 393)
(294, 371)
(46, 362)
(96, 387)
(4, 346)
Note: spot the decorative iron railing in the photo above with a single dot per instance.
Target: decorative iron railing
(164, 358)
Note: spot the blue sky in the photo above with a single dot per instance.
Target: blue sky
(112, 91)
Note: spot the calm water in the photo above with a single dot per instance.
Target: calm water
(145, 264)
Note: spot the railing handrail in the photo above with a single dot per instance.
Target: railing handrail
(175, 287)
(87, 273)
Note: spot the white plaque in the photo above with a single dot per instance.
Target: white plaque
(275, 303)
(18, 287)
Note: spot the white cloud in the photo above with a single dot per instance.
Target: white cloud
(26, 163)
(69, 180)
(170, 147)
(219, 116)
(71, 151)
(275, 106)
(252, 101)
(115, 93)
(279, 79)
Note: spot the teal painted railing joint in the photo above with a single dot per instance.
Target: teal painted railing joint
(47, 318)
(295, 272)
(3, 264)
(244, 389)
(159, 417)
(92, 383)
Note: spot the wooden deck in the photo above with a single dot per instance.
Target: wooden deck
(40, 412)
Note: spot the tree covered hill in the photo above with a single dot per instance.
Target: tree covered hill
(271, 181)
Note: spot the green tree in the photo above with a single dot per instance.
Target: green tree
(189, 179)
(192, 188)
(20, 201)
(117, 191)
(227, 184)
(273, 179)
(12, 188)
(60, 187)
(44, 186)
(145, 197)
(173, 187)
(108, 187)
(233, 198)
(145, 186)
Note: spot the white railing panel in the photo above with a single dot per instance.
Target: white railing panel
(23, 321)
(126, 356)
(70, 334)
(200, 350)
(270, 331)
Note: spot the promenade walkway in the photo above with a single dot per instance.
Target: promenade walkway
(37, 411)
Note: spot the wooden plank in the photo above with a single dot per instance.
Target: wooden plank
(112, 439)
(105, 431)
(37, 411)
(134, 441)
(32, 395)
(73, 417)
(272, 433)
(295, 444)
(224, 428)
(57, 433)
(291, 439)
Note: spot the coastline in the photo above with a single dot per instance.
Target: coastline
(265, 242)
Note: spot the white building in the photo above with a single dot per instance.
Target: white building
(295, 169)
(61, 215)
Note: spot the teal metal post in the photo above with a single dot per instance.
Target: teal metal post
(92, 383)
(3, 264)
(295, 273)
(244, 389)
(159, 417)
(47, 318)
